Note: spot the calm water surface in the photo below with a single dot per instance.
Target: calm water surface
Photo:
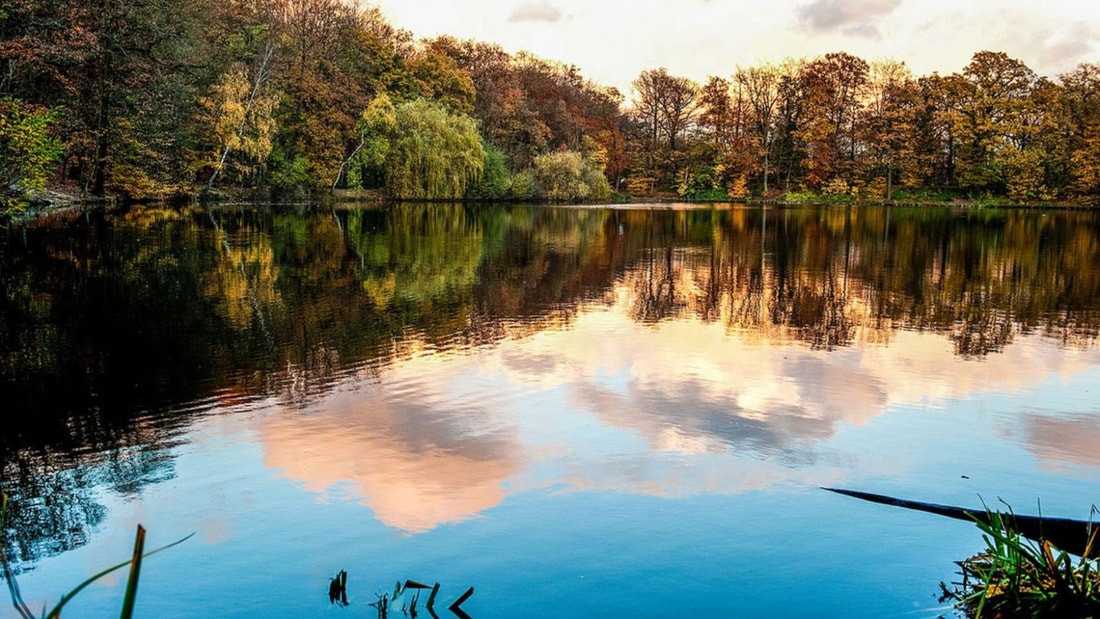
(579, 412)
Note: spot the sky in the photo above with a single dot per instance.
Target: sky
(613, 41)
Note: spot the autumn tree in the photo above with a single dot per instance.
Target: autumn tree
(335, 60)
(761, 87)
(718, 120)
(508, 118)
(725, 147)
(790, 145)
(241, 119)
(1080, 112)
(125, 74)
(888, 123)
(667, 103)
(439, 77)
(833, 91)
(995, 121)
(665, 107)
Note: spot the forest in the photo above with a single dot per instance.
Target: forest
(293, 99)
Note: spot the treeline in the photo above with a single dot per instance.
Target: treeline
(140, 98)
(155, 98)
(840, 128)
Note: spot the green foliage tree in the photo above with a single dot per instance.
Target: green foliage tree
(375, 126)
(28, 149)
(495, 181)
(433, 153)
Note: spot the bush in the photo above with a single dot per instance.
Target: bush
(711, 195)
(288, 173)
(565, 176)
(27, 148)
(738, 188)
(801, 197)
(836, 191)
(523, 186)
(925, 195)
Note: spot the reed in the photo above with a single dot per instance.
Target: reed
(134, 563)
(1016, 577)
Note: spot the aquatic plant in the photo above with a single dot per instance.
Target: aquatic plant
(55, 613)
(1017, 577)
(400, 600)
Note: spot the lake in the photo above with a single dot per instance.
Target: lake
(579, 412)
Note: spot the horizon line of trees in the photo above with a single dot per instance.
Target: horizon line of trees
(156, 98)
(838, 125)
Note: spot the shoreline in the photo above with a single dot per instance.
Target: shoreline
(53, 201)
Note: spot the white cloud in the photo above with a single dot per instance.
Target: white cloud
(535, 12)
(854, 17)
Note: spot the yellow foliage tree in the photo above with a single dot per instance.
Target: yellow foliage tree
(241, 120)
(738, 189)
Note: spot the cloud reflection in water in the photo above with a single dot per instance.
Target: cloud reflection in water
(672, 409)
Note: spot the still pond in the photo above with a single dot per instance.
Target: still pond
(579, 412)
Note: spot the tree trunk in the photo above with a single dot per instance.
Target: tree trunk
(102, 141)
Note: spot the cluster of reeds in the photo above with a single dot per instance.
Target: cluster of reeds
(134, 563)
(1016, 577)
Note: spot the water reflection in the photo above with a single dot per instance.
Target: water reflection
(1060, 442)
(673, 410)
(416, 465)
(430, 359)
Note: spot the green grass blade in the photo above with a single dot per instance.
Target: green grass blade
(56, 612)
(135, 573)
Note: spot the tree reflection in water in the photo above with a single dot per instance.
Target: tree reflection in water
(117, 328)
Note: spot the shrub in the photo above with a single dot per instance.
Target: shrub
(564, 176)
(523, 186)
(28, 150)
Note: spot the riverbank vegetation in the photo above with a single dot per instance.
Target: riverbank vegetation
(1015, 577)
(154, 99)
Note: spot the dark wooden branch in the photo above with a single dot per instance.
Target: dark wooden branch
(1070, 535)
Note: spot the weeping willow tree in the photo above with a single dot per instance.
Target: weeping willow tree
(433, 153)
